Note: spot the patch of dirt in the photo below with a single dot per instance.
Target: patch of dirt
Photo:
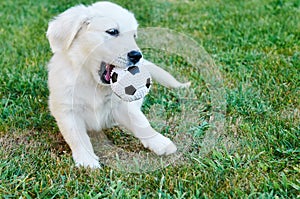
(32, 140)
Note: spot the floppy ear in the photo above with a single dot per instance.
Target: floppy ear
(63, 29)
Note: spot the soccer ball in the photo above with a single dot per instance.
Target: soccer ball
(130, 84)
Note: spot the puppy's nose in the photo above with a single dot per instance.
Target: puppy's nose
(134, 56)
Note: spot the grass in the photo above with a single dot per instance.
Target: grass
(255, 45)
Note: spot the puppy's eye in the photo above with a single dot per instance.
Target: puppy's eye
(113, 32)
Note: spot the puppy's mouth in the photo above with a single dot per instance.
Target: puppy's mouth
(105, 72)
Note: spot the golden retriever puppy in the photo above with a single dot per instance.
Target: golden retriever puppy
(87, 43)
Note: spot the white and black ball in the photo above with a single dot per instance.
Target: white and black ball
(130, 84)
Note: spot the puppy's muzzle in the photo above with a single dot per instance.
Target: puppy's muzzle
(134, 56)
(106, 68)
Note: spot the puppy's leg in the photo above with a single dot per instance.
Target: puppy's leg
(131, 117)
(74, 132)
(163, 77)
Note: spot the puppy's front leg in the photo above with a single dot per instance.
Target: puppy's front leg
(74, 132)
(163, 77)
(131, 117)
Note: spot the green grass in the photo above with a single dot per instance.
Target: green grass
(255, 44)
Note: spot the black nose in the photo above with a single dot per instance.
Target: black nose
(134, 56)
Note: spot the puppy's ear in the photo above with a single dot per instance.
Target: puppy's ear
(63, 29)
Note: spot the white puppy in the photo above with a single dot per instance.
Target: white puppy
(87, 42)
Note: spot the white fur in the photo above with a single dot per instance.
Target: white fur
(79, 100)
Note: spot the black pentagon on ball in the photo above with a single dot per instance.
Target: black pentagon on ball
(114, 77)
(148, 83)
(133, 70)
(130, 90)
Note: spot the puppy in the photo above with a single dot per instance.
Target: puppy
(87, 43)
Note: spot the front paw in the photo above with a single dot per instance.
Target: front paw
(86, 160)
(159, 144)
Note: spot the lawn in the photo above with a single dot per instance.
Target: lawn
(255, 46)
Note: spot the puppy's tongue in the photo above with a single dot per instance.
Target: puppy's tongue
(108, 71)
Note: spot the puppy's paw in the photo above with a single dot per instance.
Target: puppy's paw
(159, 144)
(86, 160)
(185, 85)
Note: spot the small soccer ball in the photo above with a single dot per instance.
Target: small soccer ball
(130, 84)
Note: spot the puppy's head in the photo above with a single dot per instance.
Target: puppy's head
(97, 37)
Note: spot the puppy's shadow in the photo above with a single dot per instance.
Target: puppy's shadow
(115, 139)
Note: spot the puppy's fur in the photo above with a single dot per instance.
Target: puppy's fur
(84, 46)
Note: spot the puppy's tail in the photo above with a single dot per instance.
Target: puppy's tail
(163, 77)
